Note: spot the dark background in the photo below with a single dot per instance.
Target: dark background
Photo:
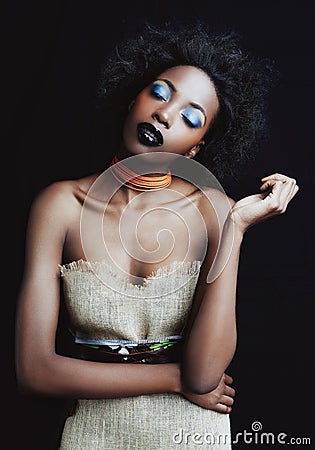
(50, 56)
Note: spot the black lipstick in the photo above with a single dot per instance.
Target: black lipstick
(149, 135)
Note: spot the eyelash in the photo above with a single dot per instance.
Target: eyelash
(188, 122)
(157, 95)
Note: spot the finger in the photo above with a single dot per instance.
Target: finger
(226, 400)
(228, 379)
(229, 391)
(294, 189)
(287, 193)
(289, 183)
(277, 177)
(279, 196)
(286, 184)
(268, 184)
(271, 198)
(224, 409)
(275, 187)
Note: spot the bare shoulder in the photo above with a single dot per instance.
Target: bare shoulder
(67, 194)
(54, 211)
(60, 202)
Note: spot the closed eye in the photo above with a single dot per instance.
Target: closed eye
(193, 117)
(161, 91)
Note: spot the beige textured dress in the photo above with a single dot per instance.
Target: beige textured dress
(115, 311)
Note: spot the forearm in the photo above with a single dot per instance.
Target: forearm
(73, 378)
(211, 342)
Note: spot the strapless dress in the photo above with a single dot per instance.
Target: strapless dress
(106, 309)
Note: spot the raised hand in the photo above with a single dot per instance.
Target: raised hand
(220, 399)
(276, 192)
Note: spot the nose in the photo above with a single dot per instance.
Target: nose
(163, 116)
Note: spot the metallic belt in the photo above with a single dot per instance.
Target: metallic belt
(154, 351)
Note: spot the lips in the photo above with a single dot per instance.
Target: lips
(149, 135)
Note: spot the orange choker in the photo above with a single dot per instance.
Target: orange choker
(138, 182)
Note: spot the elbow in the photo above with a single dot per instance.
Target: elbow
(199, 384)
(24, 385)
(28, 382)
(31, 378)
(201, 388)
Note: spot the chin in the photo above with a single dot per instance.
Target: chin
(140, 149)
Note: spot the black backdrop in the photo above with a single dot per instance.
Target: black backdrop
(50, 131)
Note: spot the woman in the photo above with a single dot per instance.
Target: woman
(135, 293)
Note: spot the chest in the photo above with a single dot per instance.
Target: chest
(140, 239)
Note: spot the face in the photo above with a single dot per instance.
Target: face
(172, 114)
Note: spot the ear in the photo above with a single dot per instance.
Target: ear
(194, 150)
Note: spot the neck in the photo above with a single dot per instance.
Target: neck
(134, 181)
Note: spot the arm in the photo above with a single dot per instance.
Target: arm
(39, 369)
(211, 337)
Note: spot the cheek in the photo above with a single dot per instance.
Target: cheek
(142, 104)
(135, 114)
(179, 144)
(184, 137)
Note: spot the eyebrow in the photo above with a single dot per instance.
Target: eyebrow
(169, 83)
(193, 104)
